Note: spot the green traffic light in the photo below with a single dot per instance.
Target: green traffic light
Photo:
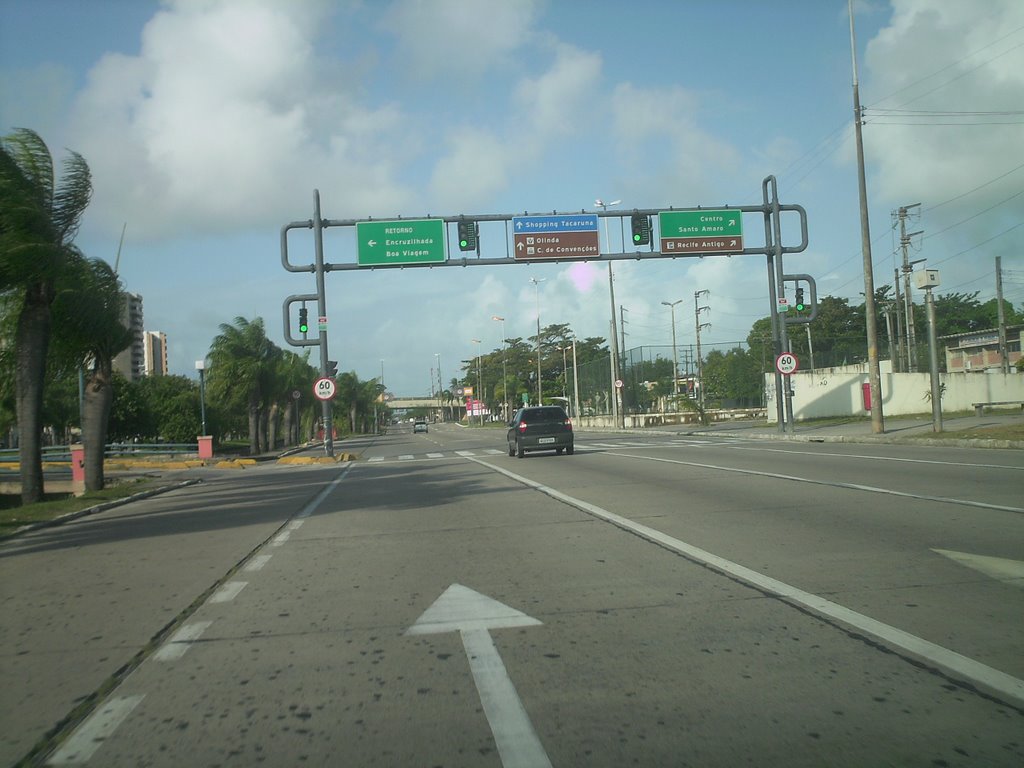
(463, 243)
(637, 238)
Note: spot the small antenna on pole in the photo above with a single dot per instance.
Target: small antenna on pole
(117, 261)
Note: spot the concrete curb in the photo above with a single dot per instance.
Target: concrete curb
(67, 518)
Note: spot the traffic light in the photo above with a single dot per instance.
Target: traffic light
(468, 235)
(800, 306)
(332, 369)
(303, 320)
(641, 229)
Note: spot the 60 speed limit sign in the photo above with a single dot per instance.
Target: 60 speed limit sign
(324, 389)
(786, 363)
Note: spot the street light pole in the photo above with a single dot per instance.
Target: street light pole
(440, 387)
(614, 346)
(479, 384)
(536, 284)
(675, 352)
(504, 369)
(201, 367)
(700, 365)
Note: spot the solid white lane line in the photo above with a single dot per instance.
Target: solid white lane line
(875, 458)
(228, 591)
(178, 643)
(309, 508)
(830, 483)
(951, 661)
(91, 734)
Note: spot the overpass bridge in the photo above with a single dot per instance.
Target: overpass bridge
(408, 403)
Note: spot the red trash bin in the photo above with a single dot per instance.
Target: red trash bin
(865, 391)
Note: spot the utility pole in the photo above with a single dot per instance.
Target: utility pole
(909, 300)
(700, 364)
(675, 351)
(874, 374)
(900, 366)
(1004, 354)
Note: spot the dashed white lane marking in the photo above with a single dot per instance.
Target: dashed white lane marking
(435, 455)
(494, 452)
(464, 453)
(257, 563)
(228, 591)
(406, 457)
(179, 643)
(961, 666)
(91, 734)
(281, 538)
(373, 459)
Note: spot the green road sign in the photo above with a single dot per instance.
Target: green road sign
(405, 241)
(707, 231)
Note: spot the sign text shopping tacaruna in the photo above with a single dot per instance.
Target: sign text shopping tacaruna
(569, 236)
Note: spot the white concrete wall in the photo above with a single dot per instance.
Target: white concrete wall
(838, 392)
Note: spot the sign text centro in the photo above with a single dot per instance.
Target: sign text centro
(570, 236)
(697, 232)
(405, 241)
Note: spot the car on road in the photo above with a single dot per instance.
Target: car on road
(420, 425)
(540, 428)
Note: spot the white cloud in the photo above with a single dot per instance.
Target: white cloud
(221, 122)
(909, 68)
(455, 37)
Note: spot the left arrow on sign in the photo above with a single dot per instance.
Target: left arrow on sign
(371, 243)
(472, 615)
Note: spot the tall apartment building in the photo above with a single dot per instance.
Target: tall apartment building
(131, 361)
(155, 343)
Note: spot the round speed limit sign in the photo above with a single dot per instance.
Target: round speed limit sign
(324, 389)
(786, 363)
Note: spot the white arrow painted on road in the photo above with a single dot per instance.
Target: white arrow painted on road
(999, 568)
(472, 615)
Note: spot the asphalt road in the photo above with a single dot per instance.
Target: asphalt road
(651, 600)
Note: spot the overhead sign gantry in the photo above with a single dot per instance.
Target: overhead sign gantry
(557, 237)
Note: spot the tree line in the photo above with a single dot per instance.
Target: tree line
(62, 325)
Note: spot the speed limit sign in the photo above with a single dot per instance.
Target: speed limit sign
(786, 363)
(324, 388)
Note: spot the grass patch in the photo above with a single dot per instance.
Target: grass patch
(13, 515)
(995, 432)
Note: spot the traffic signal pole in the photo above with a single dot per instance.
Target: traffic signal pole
(321, 305)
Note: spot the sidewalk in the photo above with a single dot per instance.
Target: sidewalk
(896, 430)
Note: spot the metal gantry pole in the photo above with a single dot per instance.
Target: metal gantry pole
(321, 303)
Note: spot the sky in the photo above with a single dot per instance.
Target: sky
(210, 124)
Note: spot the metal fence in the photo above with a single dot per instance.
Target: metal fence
(59, 453)
(647, 380)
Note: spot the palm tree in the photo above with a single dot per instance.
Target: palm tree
(242, 359)
(88, 308)
(38, 223)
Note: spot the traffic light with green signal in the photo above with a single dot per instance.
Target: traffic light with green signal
(303, 320)
(641, 225)
(469, 232)
(800, 306)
